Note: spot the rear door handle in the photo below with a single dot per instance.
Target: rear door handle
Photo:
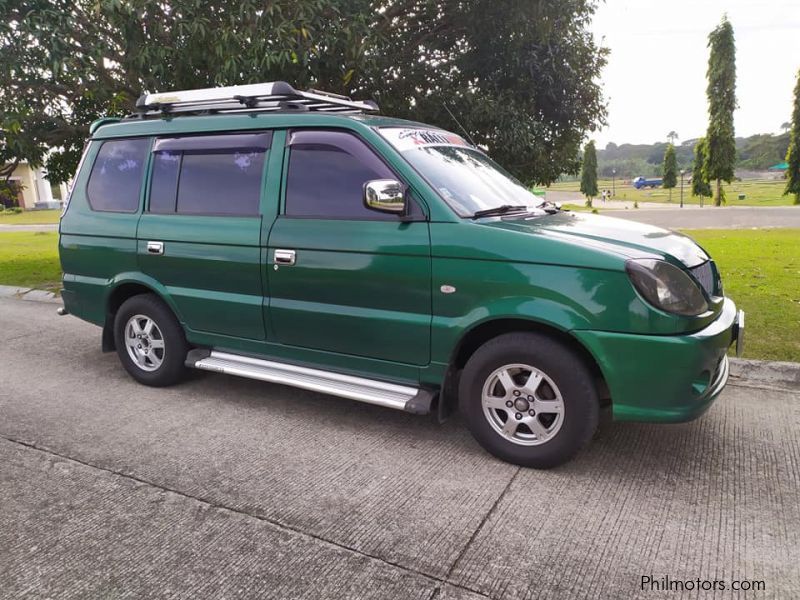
(285, 257)
(155, 247)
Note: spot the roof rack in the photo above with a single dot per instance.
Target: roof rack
(261, 97)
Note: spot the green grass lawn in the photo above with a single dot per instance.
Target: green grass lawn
(757, 193)
(760, 270)
(30, 259)
(30, 217)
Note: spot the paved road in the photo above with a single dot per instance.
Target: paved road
(229, 488)
(43, 227)
(732, 217)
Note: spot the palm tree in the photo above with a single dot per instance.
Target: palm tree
(672, 136)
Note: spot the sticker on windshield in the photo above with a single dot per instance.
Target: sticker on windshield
(406, 138)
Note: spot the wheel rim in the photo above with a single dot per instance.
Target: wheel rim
(522, 404)
(144, 342)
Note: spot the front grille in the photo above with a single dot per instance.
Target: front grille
(705, 275)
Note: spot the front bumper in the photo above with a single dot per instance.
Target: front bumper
(670, 378)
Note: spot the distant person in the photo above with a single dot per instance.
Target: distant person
(604, 194)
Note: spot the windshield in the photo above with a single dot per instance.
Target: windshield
(467, 179)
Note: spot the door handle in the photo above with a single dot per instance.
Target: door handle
(285, 257)
(155, 247)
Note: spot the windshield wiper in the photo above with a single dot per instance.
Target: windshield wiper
(498, 210)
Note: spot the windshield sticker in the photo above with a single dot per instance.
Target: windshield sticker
(406, 139)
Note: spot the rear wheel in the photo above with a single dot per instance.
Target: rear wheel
(150, 342)
(529, 400)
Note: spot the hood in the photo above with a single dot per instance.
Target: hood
(620, 236)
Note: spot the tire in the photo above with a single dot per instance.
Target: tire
(157, 358)
(555, 413)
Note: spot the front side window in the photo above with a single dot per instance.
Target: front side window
(116, 177)
(326, 176)
(467, 179)
(208, 175)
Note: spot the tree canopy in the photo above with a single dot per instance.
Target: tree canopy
(670, 171)
(721, 91)
(700, 185)
(589, 173)
(793, 154)
(521, 78)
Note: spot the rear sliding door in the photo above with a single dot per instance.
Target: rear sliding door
(200, 234)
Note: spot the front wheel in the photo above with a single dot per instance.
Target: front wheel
(529, 400)
(150, 342)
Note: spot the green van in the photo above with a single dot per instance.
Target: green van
(296, 238)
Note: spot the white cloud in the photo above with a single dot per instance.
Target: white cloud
(655, 79)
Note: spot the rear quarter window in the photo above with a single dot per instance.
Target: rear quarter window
(116, 178)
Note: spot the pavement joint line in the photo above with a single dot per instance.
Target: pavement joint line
(479, 528)
(437, 580)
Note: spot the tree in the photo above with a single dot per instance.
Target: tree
(526, 88)
(721, 91)
(670, 173)
(793, 154)
(672, 136)
(589, 173)
(700, 185)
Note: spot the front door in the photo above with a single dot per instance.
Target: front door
(347, 279)
(200, 236)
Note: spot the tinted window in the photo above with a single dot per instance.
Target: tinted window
(225, 182)
(208, 175)
(164, 181)
(116, 177)
(327, 173)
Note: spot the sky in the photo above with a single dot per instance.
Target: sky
(655, 79)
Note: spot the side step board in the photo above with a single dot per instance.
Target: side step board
(391, 395)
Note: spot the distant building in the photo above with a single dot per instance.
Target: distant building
(779, 167)
(34, 190)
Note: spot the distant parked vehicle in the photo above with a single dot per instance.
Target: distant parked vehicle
(641, 182)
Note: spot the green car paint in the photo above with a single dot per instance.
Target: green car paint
(389, 300)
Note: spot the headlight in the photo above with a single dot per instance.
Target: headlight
(666, 287)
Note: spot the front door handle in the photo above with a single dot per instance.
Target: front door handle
(155, 247)
(284, 257)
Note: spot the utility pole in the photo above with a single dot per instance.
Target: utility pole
(613, 183)
(683, 172)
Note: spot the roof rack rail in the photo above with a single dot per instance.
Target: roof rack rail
(261, 97)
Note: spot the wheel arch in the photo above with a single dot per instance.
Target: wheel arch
(121, 289)
(482, 332)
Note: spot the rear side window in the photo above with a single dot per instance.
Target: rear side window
(326, 176)
(208, 175)
(116, 177)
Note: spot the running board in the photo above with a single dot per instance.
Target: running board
(391, 395)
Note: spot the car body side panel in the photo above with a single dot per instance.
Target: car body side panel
(211, 268)
(94, 247)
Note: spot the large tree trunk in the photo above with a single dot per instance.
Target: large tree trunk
(718, 198)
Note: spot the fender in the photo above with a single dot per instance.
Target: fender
(130, 278)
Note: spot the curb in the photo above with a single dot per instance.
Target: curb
(29, 294)
(778, 374)
(745, 371)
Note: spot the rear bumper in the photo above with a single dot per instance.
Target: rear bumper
(666, 379)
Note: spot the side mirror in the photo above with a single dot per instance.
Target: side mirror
(385, 195)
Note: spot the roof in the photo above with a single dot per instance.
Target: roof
(168, 125)
(779, 167)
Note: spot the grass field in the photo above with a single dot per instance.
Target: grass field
(757, 193)
(30, 217)
(30, 259)
(760, 270)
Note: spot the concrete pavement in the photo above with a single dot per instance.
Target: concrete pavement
(230, 488)
(710, 217)
(43, 227)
